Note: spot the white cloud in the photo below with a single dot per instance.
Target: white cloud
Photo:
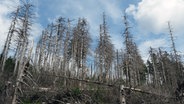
(90, 9)
(155, 43)
(117, 40)
(112, 9)
(36, 32)
(153, 15)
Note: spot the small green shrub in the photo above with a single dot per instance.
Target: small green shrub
(76, 92)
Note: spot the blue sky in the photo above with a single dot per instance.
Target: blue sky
(148, 19)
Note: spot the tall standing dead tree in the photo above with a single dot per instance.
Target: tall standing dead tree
(134, 65)
(178, 72)
(105, 51)
(25, 15)
(9, 39)
(66, 48)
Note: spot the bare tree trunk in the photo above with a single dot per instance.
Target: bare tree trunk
(122, 95)
(22, 68)
(17, 56)
(65, 60)
(163, 66)
(8, 40)
(154, 67)
(24, 42)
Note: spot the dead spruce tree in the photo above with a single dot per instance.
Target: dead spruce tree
(25, 15)
(118, 66)
(105, 53)
(9, 39)
(44, 49)
(58, 48)
(80, 43)
(50, 49)
(66, 49)
(156, 68)
(134, 65)
(177, 72)
(176, 57)
(154, 60)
